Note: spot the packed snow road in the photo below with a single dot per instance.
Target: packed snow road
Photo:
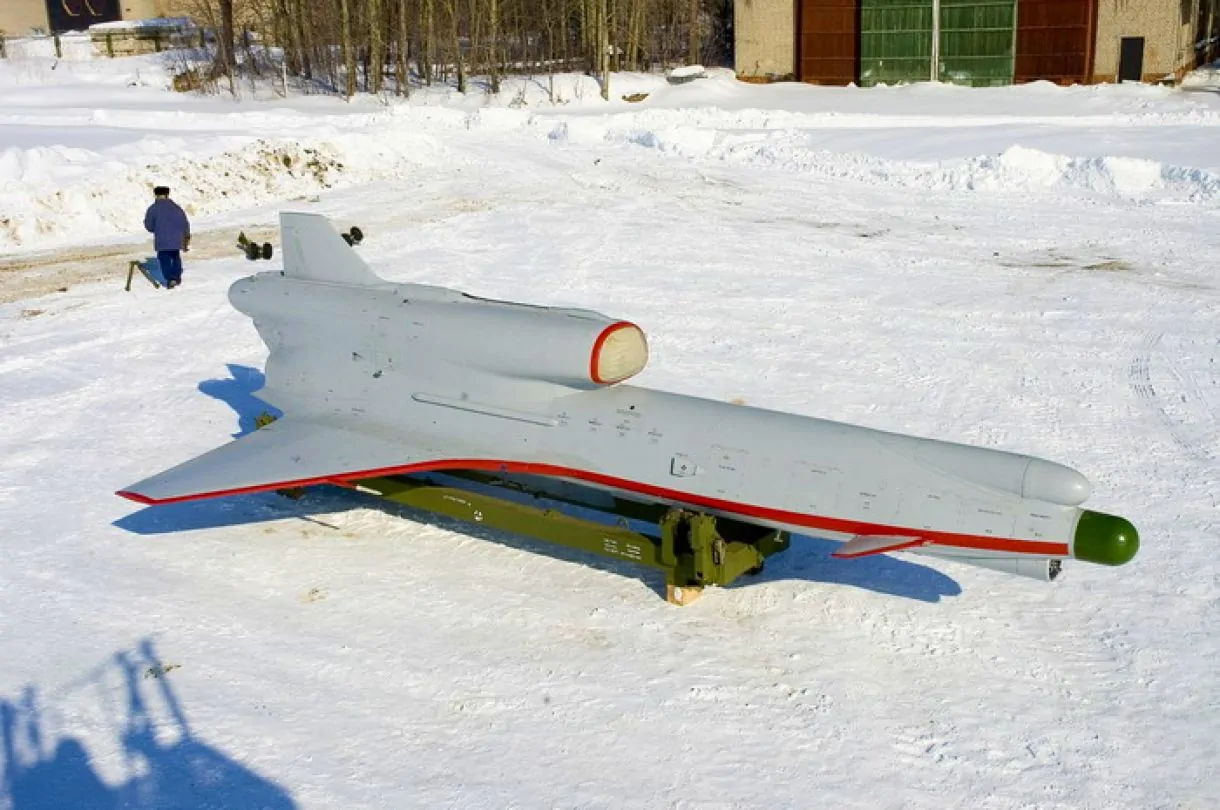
(335, 652)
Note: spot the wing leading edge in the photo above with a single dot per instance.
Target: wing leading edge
(285, 453)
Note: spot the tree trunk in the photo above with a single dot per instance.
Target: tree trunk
(474, 35)
(376, 46)
(493, 57)
(303, 39)
(692, 51)
(402, 69)
(634, 30)
(429, 46)
(288, 19)
(349, 53)
(456, 36)
(227, 60)
(603, 45)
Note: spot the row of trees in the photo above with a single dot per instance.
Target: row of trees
(372, 45)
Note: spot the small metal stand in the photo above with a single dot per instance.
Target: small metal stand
(135, 265)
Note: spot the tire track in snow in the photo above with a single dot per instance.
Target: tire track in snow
(1196, 436)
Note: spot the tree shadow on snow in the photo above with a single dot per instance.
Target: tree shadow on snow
(238, 393)
(166, 765)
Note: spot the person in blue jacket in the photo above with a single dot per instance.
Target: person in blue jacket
(171, 230)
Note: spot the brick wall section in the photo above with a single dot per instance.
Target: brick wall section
(144, 9)
(766, 38)
(1169, 36)
(17, 17)
(140, 9)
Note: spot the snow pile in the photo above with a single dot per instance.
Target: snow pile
(540, 91)
(686, 141)
(109, 197)
(170, 23)
(32, 64)
(1015, 169)
(75, 46)
(1204, 77)
(1022, 169)
(81, 142)
(721, 90)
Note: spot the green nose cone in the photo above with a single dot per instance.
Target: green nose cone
(1105, 539)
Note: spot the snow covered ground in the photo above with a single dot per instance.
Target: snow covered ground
(1028, 268)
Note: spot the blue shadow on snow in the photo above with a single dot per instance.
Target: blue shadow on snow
(170, 768)
(238, 393)
(807, 559)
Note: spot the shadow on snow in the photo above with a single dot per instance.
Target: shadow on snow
(807, 559)
(166, 765)
(238, 393)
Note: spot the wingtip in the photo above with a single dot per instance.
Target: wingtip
(135, 496)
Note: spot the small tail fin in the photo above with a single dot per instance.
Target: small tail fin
(314, 250)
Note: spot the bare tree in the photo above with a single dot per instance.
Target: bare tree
(326, 42)
(401, 52)
(376, 46)
(225, 49)
(349, 52)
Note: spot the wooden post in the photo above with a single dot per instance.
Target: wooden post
(59, 51)
(110, 44)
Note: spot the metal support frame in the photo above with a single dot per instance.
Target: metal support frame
(135, 265)
(694, 550)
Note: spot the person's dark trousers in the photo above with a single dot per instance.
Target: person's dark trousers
(171, 265)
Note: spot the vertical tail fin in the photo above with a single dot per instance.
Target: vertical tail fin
(314, 250)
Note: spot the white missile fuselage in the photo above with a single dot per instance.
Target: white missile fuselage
(377, 378)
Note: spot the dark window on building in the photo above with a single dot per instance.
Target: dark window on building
(77, 15)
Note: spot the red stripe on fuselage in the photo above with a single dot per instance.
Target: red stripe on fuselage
(806, 521)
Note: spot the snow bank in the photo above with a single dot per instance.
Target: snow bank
(1016, 169)
(33, 65)
(1204, 77)
(1022, 169)
(170, 23)
(109, 198)
(541, 91)
(1045, 100)
(75, 46)
(82, 142)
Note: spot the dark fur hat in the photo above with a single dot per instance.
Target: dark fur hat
(161, 191)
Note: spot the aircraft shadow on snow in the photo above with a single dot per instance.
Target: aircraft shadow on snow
(167, 766)
(808, 558)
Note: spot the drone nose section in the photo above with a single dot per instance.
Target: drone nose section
(1105, 539)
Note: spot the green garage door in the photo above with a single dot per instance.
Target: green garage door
(895, 41)
(976, 41)
(975, 47)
